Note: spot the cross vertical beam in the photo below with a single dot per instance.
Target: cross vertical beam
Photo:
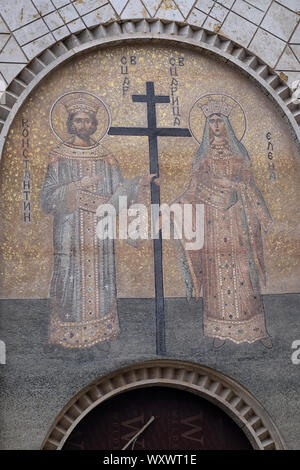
(152, 132)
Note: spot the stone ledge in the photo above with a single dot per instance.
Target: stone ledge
(225, 49)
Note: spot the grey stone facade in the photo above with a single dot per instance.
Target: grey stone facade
(268, 28)
(253, 31)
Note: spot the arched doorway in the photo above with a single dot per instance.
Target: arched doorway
(247, 414)
(182, 421)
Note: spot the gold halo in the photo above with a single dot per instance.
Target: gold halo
(58, 118)
(237, 117)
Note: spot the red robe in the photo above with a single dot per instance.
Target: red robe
(230, 266)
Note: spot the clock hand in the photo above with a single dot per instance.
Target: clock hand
(134, 438)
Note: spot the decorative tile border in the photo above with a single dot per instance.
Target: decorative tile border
(251, 65)
(212, 385)
(264, 26)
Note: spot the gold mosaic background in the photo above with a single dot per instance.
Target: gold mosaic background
(26, 248)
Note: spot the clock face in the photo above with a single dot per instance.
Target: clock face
(183, 421)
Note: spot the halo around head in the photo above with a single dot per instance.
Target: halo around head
(78, 101)
(216, 103)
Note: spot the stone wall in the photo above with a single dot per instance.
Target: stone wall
(270, 29)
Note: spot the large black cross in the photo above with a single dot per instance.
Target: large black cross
(152, 132)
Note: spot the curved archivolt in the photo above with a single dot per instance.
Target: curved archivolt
(212, 385)
(215, 43)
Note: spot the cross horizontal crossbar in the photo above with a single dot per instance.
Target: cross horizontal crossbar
(153, 99)
(149, 132)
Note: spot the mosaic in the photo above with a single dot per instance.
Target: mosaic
(158, 125)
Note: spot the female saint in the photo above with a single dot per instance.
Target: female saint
(229, 269)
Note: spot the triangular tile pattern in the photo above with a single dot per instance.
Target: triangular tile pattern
(196, 17)
(3, 40)
(3, 27)
(17, 13)
(296, 49)
(104, 14)
(118, 5)
(291, 4)
(212, 25)
(296, 36)
(185, 6)
(152, 6)
(134, 9)
(205, 5)
(288, 61)
(12, 52)
(86, 6)
(2, 79)
(34, 48)
(10, 71)
(168, 10)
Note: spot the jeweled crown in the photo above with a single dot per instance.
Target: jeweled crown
(216, 107)
(83, 102)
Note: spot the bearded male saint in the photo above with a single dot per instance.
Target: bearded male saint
(81, 175)
(229, 269)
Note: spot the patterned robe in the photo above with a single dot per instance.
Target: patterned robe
(83, 285)
(230, 266)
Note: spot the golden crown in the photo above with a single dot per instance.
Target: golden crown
(77, 102)
(216, 107)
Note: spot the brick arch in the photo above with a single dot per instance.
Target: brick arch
(210, 384)
(155, 30)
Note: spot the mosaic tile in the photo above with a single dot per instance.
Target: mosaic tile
(196, 17)
(134, 9)
(238, 29)
(102, 15)
(168, 10)
(280, 21)
(267, 46)
(36, 47)
(118, 5)
(31, 32)
(12, 52)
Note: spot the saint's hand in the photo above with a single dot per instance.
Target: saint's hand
(87, 181)
(144, 184)
(147, 179)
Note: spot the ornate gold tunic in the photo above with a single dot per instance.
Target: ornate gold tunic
(230, 265)
(83, 287)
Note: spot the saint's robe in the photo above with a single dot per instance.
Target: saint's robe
(83, 286)
(229, 268)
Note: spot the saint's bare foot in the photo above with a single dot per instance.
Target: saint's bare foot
(218, 343)
(267, 342)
